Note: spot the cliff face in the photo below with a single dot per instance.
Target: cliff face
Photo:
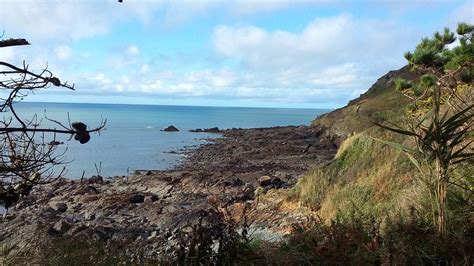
(380, 102)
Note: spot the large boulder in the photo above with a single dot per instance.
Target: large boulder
(171, 129)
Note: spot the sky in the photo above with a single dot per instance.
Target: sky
(255, 53)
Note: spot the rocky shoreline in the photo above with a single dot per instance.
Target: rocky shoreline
(145, 209)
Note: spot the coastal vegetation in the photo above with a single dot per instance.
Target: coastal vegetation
(423, 178)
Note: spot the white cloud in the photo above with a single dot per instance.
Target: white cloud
(70, 19)
(328, 60)
(63, 52)
(145, 68)
(7, 54)
(102, 80)
(177, 12)
(323, 42)
(133, 50)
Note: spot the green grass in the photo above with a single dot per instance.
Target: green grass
(365, 175)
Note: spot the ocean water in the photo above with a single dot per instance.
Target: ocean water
(132, 139)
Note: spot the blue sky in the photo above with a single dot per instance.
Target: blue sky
(262, 53)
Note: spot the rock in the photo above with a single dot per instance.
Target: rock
(96, 179)
(238, 182)
(171, 129)
(149, 173)
(212, 130)
(276, 182)
(153, 235)
(77, 230)
(91, 190)
(49, 210)
(206, 130)
(137, 198)
(61, 227)
(265, 181)
(89, 216)
(60, 207)
(151, 199)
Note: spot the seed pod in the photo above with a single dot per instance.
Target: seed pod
(84, 138)
(79, 126)
(55, 81)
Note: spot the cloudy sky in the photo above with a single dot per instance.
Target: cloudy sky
(266, 53)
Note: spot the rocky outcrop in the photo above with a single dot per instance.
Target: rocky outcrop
(171, 129)
(206, 130)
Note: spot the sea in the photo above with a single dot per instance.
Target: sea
(133, 138)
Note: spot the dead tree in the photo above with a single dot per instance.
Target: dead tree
(28, 154)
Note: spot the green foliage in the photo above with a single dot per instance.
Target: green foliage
(464, 52)
(443, 138)
(440, 66)
(402, 84)
(372, 177)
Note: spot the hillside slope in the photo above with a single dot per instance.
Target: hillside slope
(381, 101)
(365, 176)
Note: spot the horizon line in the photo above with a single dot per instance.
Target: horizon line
(174, 105)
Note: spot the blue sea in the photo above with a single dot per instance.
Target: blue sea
(133, 139)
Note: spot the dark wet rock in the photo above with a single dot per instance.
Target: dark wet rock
(95, 179)
(171, 129)
(78, 229)
(265, 181)
(53, 232)
(62, 227)
(149, 173)
(206, 130)
(103, 233)
(60, 207)
(137, 198)
(277, 182)
(237, 182)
